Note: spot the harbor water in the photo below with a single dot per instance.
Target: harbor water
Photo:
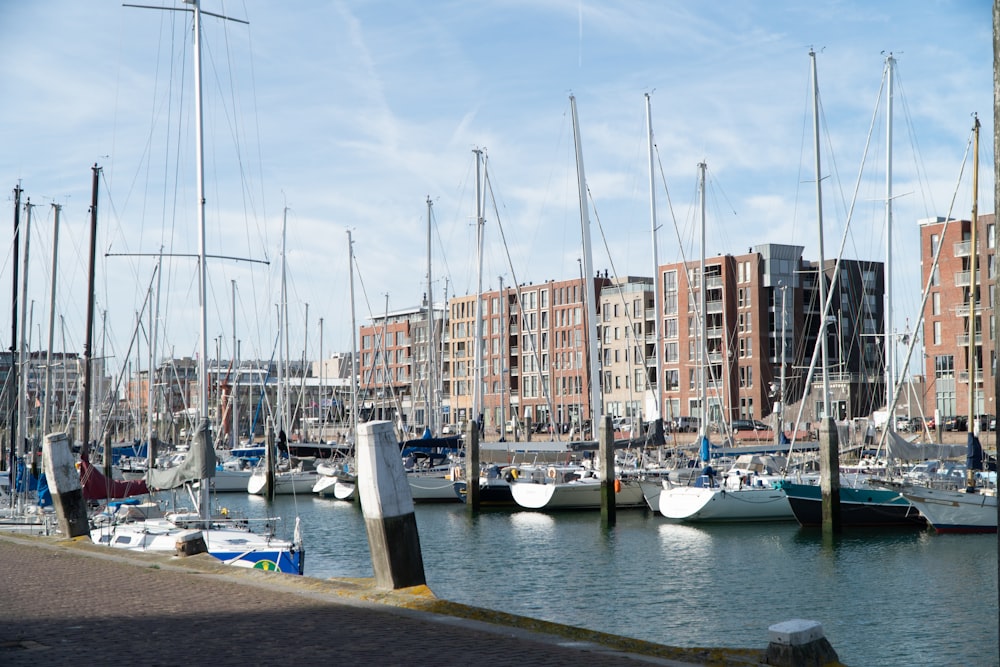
(884, 597)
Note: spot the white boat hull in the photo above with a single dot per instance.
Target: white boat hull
(579, 494)
(955, 511)
(691, 503)
(230, 481)
(232, 546)
(285, 483)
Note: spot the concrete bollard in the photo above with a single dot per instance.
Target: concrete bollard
(799, 643)
(387, 505)
(64, 482)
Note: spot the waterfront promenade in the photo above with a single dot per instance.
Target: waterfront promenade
(68, 602)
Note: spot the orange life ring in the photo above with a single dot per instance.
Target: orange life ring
(552, 473)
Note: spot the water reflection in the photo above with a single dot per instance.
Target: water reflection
(690, 585)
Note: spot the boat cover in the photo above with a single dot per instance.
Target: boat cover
(98, 487)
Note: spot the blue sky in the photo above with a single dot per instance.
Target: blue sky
(352, 113)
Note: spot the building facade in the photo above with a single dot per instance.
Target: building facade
(955, 371)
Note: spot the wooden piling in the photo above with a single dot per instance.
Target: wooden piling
(829, 474)
(64, 484)
(606, 455)
(269, 456)
(472, 467)
(387, 505)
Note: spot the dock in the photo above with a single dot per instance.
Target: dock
(70, 600)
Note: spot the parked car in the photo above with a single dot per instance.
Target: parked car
(688, 424)
(955, 423)
(987, 423)
(903, 423)
(749, 425)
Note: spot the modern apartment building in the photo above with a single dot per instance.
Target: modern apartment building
(762, 317)
(394, 370)
(534, 357)
(951, 319)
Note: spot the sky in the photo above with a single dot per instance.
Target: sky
(324, 118)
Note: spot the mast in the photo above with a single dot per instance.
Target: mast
(47, 396)
(820, 273)
(322, 385)
(234, 439)
(12, 381)
(431, 412)
(153, 344)
(24, 342)
(890, 350)
(657, 301)
(972, 363)
(282, 337)
(829, 445)
(703, 333)
(477, 346)
(590, 284)
(203, 428)
(354, 346)
(503, 374)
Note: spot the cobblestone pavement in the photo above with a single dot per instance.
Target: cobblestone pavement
(65, 602)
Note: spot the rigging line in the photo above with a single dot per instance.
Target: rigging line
(621, 293)
(836, 268)
(927, 288)
(522, 315)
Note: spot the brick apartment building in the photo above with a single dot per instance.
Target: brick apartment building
(946, 316)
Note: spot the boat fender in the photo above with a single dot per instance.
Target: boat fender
(552, 473)
(618, 486)
(513, 473)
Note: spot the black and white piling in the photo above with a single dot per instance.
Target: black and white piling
(387, 505)
(64, 484)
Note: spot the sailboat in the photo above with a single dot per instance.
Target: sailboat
(863, 502)
(147, 528)
(974, 509)
(338, 478)
(294, 476)
(579, 486)
(745, 492)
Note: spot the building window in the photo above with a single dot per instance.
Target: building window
(936, 303)
(937, 333)
(934, 244)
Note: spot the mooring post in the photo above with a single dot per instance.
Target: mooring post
(269, 460)
(829, 474)
(606, 456)
(64, 483)
(387, 505)
(799, 642)
(472, 467)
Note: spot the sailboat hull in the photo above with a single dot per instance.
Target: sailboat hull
(691, 503)
(230, 546)
(858, 506)
(285, 483)
(580, 494)
(949, 511)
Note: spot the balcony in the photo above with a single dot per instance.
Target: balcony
(962, 340)
(713, 282)
(962, 248)
(963, 376)
(962, 310)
